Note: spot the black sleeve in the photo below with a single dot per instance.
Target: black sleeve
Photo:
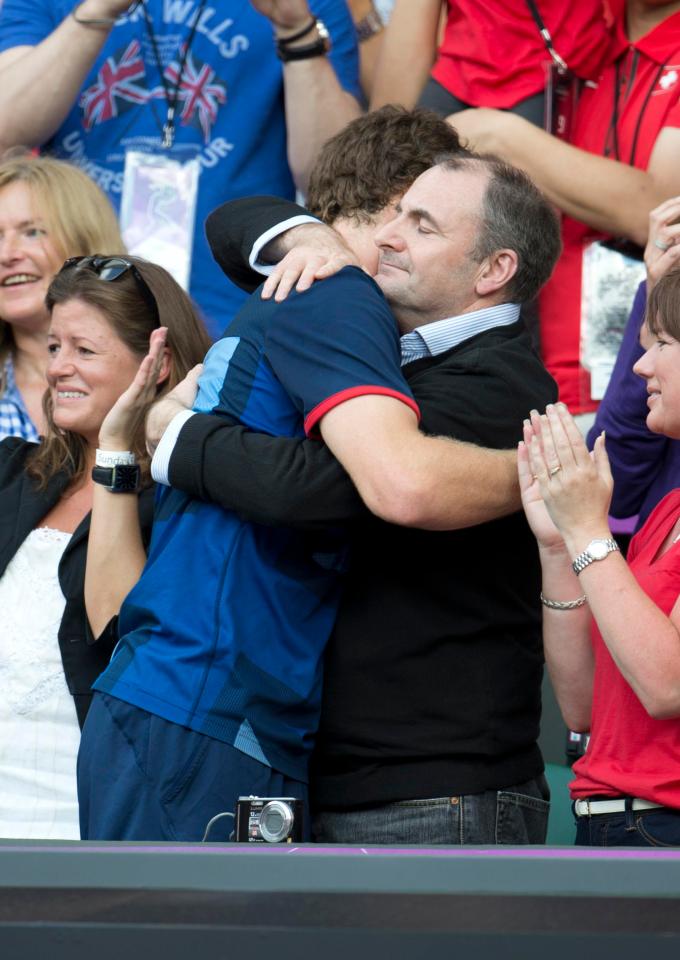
(233, 228)
(270, 480)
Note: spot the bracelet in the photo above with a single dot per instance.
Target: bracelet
(115, 458)
(563, 604)
(317, 48)
(103, 22)
(284, 41)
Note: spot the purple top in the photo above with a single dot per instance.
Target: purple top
(645, 465)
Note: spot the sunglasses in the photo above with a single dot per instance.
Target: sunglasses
(111, 268)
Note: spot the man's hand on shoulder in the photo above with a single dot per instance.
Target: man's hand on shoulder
(315, 252)
(179, 399)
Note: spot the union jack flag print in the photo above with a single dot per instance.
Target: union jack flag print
(200, 93)
(115, 82)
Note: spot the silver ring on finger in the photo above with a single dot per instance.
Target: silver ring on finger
(555, 470)
(662, 245)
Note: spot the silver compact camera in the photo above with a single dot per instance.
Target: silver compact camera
(269, 820)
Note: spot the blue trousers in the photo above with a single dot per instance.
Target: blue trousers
(658, 827)
(515, 815)
(143, 778)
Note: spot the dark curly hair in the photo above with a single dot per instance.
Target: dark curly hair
(375, 158)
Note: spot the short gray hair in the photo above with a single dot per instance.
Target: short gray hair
(515, 215)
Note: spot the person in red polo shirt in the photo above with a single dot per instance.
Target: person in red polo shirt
(493, 55)
(622, 161)
(490, 55)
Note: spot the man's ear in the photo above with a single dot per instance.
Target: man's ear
(166, 363)
(496, 271)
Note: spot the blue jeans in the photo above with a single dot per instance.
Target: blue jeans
(515, 815)
(658, 827)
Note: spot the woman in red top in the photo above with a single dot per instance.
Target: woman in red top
(611, 629)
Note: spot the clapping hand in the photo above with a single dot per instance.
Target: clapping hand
(662, 252)
(121, 423)
(574, 486)
(545, 531)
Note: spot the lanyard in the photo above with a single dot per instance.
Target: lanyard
(613, 132)
(547, 39)
(171, 95)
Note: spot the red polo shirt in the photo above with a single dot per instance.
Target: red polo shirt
(630, 753)
(492, 54)
(647, 100)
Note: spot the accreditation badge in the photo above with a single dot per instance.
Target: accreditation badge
(562, 90)
(158, 210)
(612, 272)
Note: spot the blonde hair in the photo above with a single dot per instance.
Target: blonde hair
(78, 214)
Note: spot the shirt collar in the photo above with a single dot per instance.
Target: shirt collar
(658, 44)
(444, 334)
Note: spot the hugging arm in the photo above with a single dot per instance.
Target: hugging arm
(434, 483)
(265, 479)
(276, 240)
(235, 227)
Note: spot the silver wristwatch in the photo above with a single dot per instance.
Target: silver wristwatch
(597, 549)
(368, 26)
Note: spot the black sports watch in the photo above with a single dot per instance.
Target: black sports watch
(122, 478)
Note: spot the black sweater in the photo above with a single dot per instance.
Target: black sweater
(433, 673)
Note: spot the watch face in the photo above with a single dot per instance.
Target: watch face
(126, 478)
(598, 549)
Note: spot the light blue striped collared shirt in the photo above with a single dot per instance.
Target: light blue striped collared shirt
(434, 338)
(14, 418)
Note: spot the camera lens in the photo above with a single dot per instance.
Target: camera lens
(276, 821)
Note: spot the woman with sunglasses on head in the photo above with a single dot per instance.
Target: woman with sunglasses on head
(49, 210)
(612, 630)
(105, 313)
